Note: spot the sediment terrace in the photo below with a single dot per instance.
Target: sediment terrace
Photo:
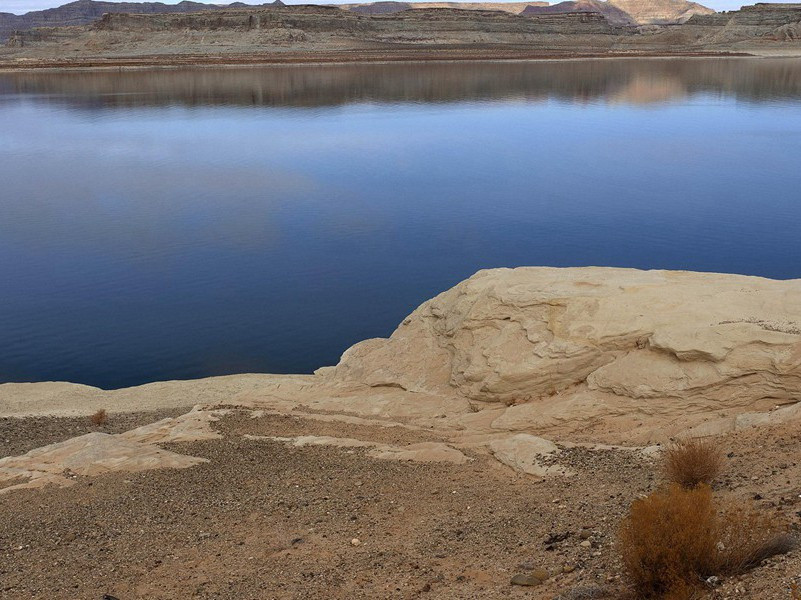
(326, 34)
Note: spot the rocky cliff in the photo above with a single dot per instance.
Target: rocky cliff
(609, 11)
(82, 12)
(665, 339)
(327, 33)
(661, 12)
(621, 12)
(388, 7)
(332, 26)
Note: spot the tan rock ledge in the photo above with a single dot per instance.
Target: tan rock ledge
(589, 355)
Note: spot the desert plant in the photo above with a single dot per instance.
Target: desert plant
(676, 538)
(99, 418)
(747, 537)
(692, 461)
(668, 543)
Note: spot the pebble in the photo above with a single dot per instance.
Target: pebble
(586, 544)
(355, 542)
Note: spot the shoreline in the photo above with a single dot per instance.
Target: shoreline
(168, 62)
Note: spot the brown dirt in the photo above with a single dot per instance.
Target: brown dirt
(19, 435)
(266, 520)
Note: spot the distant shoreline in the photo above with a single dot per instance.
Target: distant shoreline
(341, 57)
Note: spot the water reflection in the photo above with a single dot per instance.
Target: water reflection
(628, 81)
(155, 225)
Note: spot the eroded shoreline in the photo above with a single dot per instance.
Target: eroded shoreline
(344, 58)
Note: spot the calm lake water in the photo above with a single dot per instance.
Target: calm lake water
(178, 224)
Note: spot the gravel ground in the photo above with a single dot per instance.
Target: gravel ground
(19, 435)
(266, 520)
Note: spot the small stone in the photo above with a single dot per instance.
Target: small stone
(568, 569)
(586, 544)
(528, 580)
(355, 542)
(585, 534)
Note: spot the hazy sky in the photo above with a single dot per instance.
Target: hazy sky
(23, 6)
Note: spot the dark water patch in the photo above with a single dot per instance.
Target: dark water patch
(174, 224)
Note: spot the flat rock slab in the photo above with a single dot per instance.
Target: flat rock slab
(88, 455)
(191, 427)
(525, 453)
(422, 452)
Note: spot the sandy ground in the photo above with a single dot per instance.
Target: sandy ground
(18, 436)
(266, 520)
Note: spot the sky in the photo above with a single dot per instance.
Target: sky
(23, 6)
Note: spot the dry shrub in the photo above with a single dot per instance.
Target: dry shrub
(99, 418)
(669, 541)
(676, 538)
(748, 537)
(692, 461)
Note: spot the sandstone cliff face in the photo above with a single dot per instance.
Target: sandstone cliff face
(333, 27)
(647, 12)
(634, 11)
(388, 7)
(262, 34)
(667, 340)
(613, 14)
(83, 12)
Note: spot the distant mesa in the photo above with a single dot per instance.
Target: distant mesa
(612, 13)
(618, 12)
(83, 12)
(384, 7)
(381, 8)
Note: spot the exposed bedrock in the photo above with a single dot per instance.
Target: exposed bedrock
(502, 364)
(583, 354)
(667, 340)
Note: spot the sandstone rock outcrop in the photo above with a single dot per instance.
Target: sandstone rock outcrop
(505, 363)
(661, 11)
(87, 455)
(82, 12)
(657, 337)
(328, 33)
(612, 13)
(385, 8)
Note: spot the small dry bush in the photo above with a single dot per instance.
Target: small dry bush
(99, 418)
(747, 537)
(669, 541)
(692, 461)
(676, 538)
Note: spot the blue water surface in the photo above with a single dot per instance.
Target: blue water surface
(182, 224)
